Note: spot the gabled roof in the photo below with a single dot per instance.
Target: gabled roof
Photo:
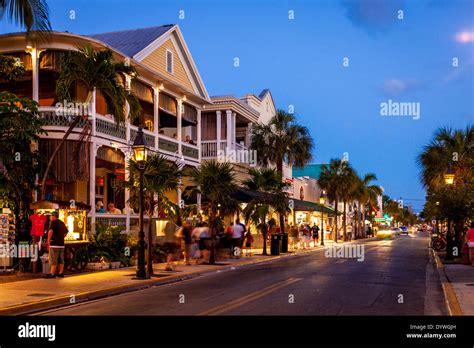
(130, 42)
(263, 93)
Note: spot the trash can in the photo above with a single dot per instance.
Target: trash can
(275, 244)
(284, 242)
(45, 263)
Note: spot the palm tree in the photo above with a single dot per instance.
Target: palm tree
(96, 71)
(269, 182)
(159, 177)
(450, 149)
(280, 141)
(331, 180)
(216, 183)
(365, 193)
(33, 15)
(347, 183)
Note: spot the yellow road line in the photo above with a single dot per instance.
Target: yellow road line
(249, 298)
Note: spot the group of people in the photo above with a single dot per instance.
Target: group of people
(237, 238)
(194, 243)
(302, 235)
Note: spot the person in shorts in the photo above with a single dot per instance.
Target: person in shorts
(171, 244)
(55, 244)
(188, 243)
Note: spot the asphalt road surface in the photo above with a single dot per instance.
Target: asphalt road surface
(395, 277)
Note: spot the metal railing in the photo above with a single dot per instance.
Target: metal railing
(110, 128)
(209, 147)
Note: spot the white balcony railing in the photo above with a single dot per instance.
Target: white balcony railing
(107, 128)
(209, 148)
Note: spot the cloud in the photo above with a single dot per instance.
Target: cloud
(394, 87)
(465, 36)
(374, 16)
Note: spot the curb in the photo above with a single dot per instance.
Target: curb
(450, 298)
(62, 301)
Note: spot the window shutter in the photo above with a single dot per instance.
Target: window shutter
(169, 61)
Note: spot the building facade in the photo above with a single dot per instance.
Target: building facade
(171, 93)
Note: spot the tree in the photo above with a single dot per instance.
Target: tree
(268, 182)
(450, 150)
(96, 71)
(281, 141)
(11, 68)
(159, 177)
(365, 193)
(33, 15)
(331, 180)
(347, 183)
(19, 127)
(216, 183)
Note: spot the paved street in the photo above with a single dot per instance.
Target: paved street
(395, 278)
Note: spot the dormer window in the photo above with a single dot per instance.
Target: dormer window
(169, 61)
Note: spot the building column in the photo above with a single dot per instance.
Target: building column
(156, 112)
(127, 173)
(92, 155)
(178, 135)
(218, 130)
(248, 133)
(198, 140)
(229, 129)
(35, 72)
(234, 127)
(127, 197)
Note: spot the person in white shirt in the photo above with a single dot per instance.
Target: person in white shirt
(237, 235)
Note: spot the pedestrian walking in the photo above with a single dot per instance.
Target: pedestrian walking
(248, 243)
(55, 244)
(187, 241)
(293, 236)
(237, 235)
(315, 234)
(171, 243)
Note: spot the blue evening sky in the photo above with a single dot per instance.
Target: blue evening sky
(301, 61)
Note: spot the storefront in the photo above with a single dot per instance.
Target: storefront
(311, 213)
(74, 216)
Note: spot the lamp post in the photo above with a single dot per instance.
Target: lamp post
(449, 181)
(437, 217)
(140, 154)
(322, 201)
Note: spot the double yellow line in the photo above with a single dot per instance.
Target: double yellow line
(249, 298)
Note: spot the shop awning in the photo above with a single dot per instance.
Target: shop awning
(245, 196)
(300, 205)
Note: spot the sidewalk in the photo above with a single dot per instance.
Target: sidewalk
(26, 296)
(458, 285)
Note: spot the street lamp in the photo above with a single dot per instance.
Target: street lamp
(449, 176)
(449, 181)
(322, 201)
(140, 154)
(437, 217)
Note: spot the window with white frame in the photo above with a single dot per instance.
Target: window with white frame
(169, 61)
